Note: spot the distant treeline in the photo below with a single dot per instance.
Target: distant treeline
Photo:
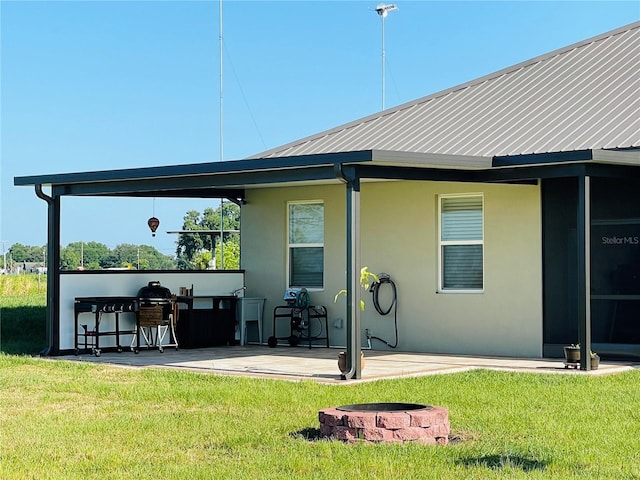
(89, 256)
(193, 251)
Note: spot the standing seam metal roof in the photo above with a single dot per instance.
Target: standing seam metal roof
(584, 96)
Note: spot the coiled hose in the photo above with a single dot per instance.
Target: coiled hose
(385, 279)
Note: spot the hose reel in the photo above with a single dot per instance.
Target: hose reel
(374, 289)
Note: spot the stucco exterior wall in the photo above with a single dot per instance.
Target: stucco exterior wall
(399, 222)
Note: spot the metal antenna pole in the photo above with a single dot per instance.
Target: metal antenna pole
(221, 91)
(383, 61)
(221, 148)
(383, 10)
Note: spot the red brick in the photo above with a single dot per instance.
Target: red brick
(360, 419)
(441, 415)
(331, 417)
(326, 430)
(345, 433)
(377, 434)
(442, 430)
(393, 420)
(409, 434)
(423, 418)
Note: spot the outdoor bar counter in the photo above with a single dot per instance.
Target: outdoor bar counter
(208, 314)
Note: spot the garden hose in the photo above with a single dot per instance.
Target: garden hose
(385, 279)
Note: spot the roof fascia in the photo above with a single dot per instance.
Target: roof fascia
(503, 175)
(196, 169)
(430, 159)
(542, 158)
(621, 157)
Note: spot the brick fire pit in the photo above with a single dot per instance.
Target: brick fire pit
(386, 422)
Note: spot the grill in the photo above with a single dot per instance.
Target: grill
(155, 294)
(157, 314)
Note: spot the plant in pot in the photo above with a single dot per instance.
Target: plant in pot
(366, 279)
(572, 355)
(595, 360)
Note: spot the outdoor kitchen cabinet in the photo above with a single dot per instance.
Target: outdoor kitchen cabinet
(206, 321)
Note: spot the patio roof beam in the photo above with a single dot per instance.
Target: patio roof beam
(179, 186)
(243, 168)
(507, 175)
(228, 193)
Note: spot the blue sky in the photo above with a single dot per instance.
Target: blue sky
(91, 85)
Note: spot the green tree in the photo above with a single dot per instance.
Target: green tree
(70, 257)
(192, 246)
(152, 259)
(27, 253)
(93, 255)
(142, 257)
(97, 256)
(87, 255)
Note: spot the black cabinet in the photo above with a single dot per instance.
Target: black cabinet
(210, 326)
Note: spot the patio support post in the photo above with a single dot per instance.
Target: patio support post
(584, 270)
(53, 271)
(354, 343)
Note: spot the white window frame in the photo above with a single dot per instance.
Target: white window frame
(294, 245)
(441, 244)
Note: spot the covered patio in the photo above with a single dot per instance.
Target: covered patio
(573, 177)
(320, 364)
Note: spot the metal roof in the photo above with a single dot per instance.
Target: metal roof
(582, 97)
(574, 105)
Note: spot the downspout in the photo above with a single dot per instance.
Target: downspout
(354, 347)
(53, 271)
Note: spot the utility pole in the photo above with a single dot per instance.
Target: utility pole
(4, 254)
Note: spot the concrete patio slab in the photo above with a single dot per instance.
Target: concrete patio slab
(320, 364)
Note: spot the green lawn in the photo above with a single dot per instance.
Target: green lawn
(23, 312)
(69, 420)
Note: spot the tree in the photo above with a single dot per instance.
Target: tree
(94, 254)
(97, 256)
(189, 253)
(26, 253)
(140, 257)
(88, 255)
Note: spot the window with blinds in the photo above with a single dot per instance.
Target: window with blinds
(461, 243)
(306, 244)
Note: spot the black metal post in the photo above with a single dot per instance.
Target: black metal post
(53, 271)
(354, 344)
(584, 270)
